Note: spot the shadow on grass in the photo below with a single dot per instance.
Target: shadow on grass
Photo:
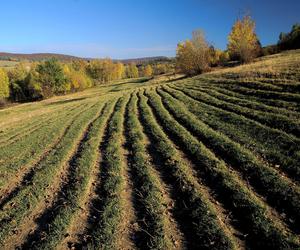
(65, 101)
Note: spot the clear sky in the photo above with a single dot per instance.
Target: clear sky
(132, 28)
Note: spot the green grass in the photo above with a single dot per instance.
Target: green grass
(74, 191)
(151, 200)
(106, 231)
(209, 162)
(282, 154)
(243, 202)
(31, 194)
(200, 213)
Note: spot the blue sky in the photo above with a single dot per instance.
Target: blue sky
(132, 28)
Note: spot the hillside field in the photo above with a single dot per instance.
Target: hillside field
(208, 162)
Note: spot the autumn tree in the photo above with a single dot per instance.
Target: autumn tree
(148, 71)
(132, 71)
(119, 70)
(214, 56)
(76, 79)
(243, 43)
(105, 70)
(193, 56)
(18, 82)
(4, 84)
(224, 57)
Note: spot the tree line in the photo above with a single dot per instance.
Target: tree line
(36, 81)
(196, 55)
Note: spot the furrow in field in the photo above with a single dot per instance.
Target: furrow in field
(25, 173)
(55, 220)
(87, 166)
(129, 225)
(291, 107)
(18, 154)
(284, 107)
(282, 153)
(283, 123)
(17, 216)
(244, 88)
(157, 226)
(247, 103)
(244, 204)
(28, 130)
(107, 216)
(266, 181)
(197, 215)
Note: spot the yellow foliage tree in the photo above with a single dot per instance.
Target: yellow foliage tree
(76, 79)
(119, 70)
(148, 71)
(242, 41)
(132, 71)
(4, 84)
(105, 70)
(193, 56)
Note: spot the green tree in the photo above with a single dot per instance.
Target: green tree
(290, 40)
(243, 43)
(4, 84)
(51, 77)
(18, 83)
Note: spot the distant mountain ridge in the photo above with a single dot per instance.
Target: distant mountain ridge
(36, 56)
(63, 57)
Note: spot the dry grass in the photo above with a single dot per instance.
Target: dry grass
(284, 67)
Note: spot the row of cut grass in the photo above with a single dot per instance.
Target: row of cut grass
(150, 197)
(247, 103)
(289, 97)
(278, 190)
(21, 128)
(276, 121)
(273, 102)
(33, 193)
(264, 84)
(199, 213)
(39, 124)
(75, 190)
(258, 223)
(30, 149)
(105, 233)
(284, 152)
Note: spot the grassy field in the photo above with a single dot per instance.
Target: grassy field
(209, 162)
(8, 64)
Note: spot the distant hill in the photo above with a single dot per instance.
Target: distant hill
(62, 57)
(35, 57)
(144, 60)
